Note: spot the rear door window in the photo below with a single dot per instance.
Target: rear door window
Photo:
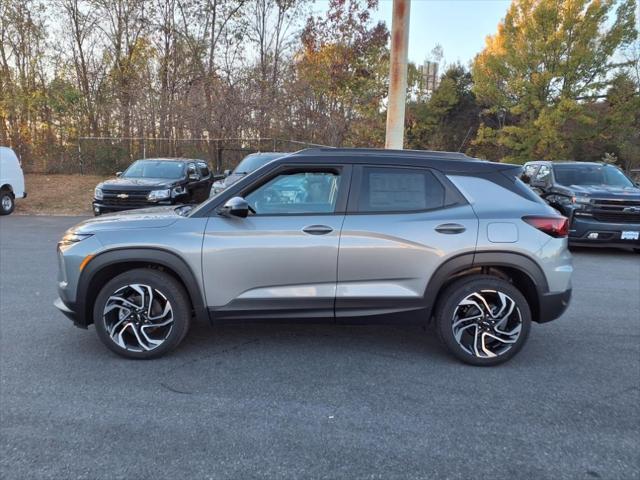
(389, 189)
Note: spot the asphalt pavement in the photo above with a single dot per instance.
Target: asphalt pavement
(315, 401)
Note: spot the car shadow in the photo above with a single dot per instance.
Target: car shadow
(598, 250)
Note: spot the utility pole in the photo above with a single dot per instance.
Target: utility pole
(398, 74)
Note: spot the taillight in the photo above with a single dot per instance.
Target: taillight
(557, 227)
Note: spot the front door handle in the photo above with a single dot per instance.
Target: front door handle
(317, 229)
(450, 228)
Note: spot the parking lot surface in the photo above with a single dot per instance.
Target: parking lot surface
(315, 401)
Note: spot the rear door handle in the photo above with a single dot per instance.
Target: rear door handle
(450, 228)
(317, 229)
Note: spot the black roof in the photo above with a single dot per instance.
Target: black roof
(449, 162)
(173, 159)
(565, 162)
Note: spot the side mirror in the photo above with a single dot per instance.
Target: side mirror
(236, 207)
(118, 174)
(194, 176)
(525, 178)
(227, 172)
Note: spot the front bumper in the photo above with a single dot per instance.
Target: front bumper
(99, 207)
(553, 305)
(69, 312)
(589, 231)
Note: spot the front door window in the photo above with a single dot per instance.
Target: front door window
(296, 193)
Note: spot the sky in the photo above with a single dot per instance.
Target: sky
(460, 26)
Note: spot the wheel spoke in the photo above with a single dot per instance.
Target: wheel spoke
(466, 319)
(119, 302)
(136, 333)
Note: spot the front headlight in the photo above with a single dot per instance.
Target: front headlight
(97, 193)
(159, 194)
(70, 238)
(178, 191)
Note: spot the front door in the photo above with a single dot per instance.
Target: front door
(281, 261)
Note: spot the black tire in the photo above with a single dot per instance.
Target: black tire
(449, 306)
(165, 288)
(7, 202)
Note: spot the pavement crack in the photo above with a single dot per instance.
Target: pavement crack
(175, 390)
(212, 354)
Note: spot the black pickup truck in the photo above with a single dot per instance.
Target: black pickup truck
(154, 181)
(601, 202)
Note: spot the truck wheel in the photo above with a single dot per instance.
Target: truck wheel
(483, 320)
(142, 313)
(7, 202)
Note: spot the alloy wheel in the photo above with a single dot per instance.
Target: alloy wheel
(487, 323)
(138, 317)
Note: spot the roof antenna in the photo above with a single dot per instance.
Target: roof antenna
(465, 139)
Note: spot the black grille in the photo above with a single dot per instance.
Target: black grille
(620, 203)
(617, 217)
(135, 198)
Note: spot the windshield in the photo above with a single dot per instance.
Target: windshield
(154, 169)
(254, 161)
(591, 175)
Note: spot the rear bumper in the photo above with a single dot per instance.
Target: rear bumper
(69, 312)
(553, 305)
(584, 229)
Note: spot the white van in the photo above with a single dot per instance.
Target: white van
(11, 180)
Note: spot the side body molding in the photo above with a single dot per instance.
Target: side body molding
(152, 255)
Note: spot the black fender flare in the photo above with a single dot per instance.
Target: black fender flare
(466, 261)
(151, 255)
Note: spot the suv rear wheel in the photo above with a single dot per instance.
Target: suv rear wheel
(142, 313)
(483, 320)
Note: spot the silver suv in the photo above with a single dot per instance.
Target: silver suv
(338, 235)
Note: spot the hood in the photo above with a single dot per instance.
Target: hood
(138, 183)
(154, 217)
(607, 191)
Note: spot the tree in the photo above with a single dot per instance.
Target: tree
(449, 118)
(546, 59)
(340, 76)
(622, 120)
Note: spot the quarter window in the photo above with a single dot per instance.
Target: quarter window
(296, 193)
(399, 190)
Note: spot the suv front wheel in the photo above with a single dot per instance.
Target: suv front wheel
(483, 320)
(142, 313)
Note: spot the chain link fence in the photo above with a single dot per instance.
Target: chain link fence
(107, 155)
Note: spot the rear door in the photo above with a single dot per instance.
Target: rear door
(401, 224)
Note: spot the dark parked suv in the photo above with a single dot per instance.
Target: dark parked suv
(337, 235)
(154, 181)
(601, 202)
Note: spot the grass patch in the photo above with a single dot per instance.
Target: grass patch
(58, 194)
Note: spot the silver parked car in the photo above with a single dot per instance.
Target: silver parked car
(338, 235)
